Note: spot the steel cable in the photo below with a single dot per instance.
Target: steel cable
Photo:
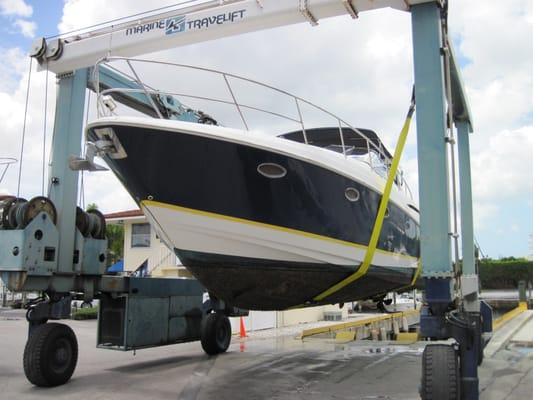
(21, 159)
(44, 130)
(82, 178)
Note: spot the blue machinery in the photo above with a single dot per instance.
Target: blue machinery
(36, 252)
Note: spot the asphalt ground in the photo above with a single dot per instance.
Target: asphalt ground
(265, 367)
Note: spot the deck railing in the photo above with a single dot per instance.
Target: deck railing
(152, 94)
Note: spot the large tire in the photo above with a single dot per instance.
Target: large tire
(440, 373)
(50, 355)
(215, 333)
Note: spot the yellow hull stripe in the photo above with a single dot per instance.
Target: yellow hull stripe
(152, 203)
(378, 224)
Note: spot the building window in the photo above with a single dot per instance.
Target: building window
(140, 235)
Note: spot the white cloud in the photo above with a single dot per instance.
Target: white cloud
(79, 14)
(12, 104)
(502, 170)
(27, 28)
(496, 41)
(371, 89)
(17, 8)
(12, 67)
(361, 70)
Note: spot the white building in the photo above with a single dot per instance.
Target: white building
(143, 250)
(146, 254)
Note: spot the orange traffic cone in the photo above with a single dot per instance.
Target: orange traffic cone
(242, 331)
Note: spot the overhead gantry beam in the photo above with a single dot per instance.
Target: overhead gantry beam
(204, 21)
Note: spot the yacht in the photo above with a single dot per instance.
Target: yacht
(267, 221)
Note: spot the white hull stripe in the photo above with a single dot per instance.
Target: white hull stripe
(200, 231)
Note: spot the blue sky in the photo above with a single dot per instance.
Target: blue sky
(491, 43)
(46, 14)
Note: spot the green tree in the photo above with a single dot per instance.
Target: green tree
(92, 207)
(115, 239)
(115, 243)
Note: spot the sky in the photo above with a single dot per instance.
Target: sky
(361, 70)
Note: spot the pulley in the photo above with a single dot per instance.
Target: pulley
(37, 205)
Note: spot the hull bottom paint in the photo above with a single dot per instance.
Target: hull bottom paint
(276, 285)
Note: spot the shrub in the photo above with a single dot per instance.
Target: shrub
(85, 313)
(504, 274)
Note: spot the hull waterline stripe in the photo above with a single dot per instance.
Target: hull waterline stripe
(154, 203)
(376, 231)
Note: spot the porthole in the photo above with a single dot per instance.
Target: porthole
(352, 194)
(271, 170)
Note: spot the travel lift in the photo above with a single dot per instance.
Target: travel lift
(49, 245)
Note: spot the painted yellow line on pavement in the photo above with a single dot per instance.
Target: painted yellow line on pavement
(357, 323)
(499, 322)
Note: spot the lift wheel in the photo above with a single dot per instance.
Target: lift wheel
(440, 373)
(215, 333)
(50, 355)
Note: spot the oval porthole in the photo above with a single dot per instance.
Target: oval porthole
(352, 194)
(271, 170)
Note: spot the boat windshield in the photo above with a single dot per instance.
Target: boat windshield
(363, 145)
(355, 142)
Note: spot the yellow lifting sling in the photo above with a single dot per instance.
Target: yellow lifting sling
(376, 231)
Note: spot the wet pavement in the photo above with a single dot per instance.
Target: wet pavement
(260, 367)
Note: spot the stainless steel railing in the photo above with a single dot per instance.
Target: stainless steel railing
(240, 107)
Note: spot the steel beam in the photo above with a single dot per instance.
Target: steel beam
(190, 24)
(63, 182)
(431, 131)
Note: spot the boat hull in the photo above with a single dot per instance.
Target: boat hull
(254, 241)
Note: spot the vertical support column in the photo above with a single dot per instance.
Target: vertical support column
(70, 107)
(432, 155)
(469, 277)
(467, 216)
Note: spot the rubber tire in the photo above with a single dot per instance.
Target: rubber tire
(440, 373)
(215, 334)
(39, 355)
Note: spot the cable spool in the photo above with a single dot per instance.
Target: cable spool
(9, 209)
(17, 213)
(97, 225)
(90, 223)
(82, 222)
(4, 205)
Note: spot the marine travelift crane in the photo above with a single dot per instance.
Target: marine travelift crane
(47, 245)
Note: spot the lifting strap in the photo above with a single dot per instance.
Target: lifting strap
(376, 231)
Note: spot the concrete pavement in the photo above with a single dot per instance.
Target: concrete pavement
(259, 367)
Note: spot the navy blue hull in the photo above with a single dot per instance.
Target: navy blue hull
(221, 177)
